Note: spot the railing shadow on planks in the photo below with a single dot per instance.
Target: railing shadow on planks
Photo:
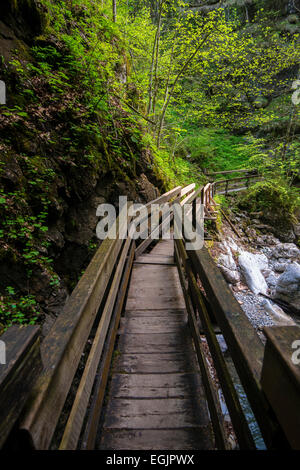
(43, 409)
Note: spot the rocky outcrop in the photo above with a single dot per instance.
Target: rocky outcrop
(251, 266)
(276, 313)
(21, 21)
(288, 286)
(227, 264)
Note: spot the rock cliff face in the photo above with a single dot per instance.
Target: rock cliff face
(59, 160)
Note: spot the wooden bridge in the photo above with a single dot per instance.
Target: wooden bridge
(134, 360)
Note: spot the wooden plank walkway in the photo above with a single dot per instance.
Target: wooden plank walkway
(156, 398)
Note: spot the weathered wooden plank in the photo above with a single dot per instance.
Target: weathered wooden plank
(92, 421)
(171, 290)
(156, 284)
(180, 385)
(187, 189)
(199, 438)
(158, 343)
(154, 256)
(148, 259)
(155, 363)
(152, 325)
(167, 313)
(78, 411)
(280, 378)
(62, 348)
(19, 374)
(154, 287)
(155, 414)
(155, 234)
(153, 275)
(164, 247)
(159, 302)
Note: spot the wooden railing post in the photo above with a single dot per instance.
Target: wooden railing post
(194, 212)
(280, 378)
(18, 375)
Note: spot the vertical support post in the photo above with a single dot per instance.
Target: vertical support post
(194, 212)
(280, 378)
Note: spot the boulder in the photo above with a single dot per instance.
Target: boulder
(280, 267)
(296, 229)
(288, 286)
(285, 235)
(231, 276)
(227, 261)
(271, 281)
(262, 261)
(267, 272)
(251, 265)
(293, 19)
(276, 313)
(286, 251)
(227, 264)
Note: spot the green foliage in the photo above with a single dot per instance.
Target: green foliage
(213, 149)
(198, 82)
(273, 195)
(16, 309)
(64, 123)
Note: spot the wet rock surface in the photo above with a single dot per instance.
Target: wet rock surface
(259, 263)
(288, 286)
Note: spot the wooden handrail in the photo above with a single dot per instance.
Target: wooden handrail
(233, 180)
(280, 378)
(245, 346)
(225, 172)
(96, 303)
(179, 193)
(62, 348)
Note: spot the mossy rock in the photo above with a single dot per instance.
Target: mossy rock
(293, 19)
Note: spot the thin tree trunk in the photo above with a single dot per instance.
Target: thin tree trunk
(114, 10)
(156, 66)
(291, 121)
(154, 60)
(180, 73)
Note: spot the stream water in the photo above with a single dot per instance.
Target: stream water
(253, 425)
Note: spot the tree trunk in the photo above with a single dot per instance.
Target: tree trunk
(114, 10)
(180, 73)
(154, 61)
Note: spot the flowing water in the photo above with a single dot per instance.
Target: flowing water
(253, 426)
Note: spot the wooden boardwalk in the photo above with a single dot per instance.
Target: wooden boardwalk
(155, 399)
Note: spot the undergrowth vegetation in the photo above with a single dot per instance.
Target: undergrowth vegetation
(162, 91)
